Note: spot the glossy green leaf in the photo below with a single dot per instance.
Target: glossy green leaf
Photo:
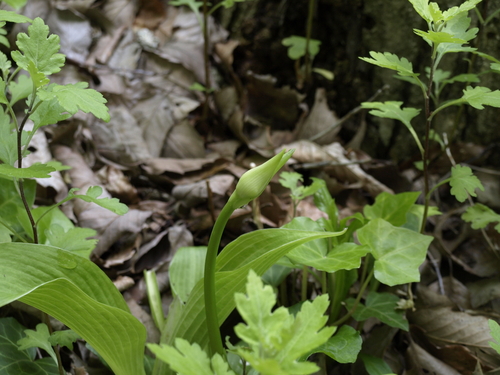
(38, 339)
(186, 269)
(275, 275)
(76, 292)
(495, 333)
(391, 207)
(381, 306)
(190, 359)
(19, 362)
(315, 254)
(480, 96)
(391, 61)
(480, 216)
(398, 252)
(77, 97)
(463, 182)
(258, 251)
(297, 46)
(39, 48)
(344, 346)
(277, 339)
(92, 195)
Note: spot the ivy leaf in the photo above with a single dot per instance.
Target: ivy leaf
(391, 61)
(398, 252)
(20, 89)
(479, 96)
(480, 216)
(38, 339)
(64, 338)
(92, 195)
(190, 359)
(344, 347)
(495, 333)
(74, 239)
(381, 306)
(277, 339)
(39, 48)
(74, 97)
(297, 46)
(12, 359)
(392, 208)
(463, 182)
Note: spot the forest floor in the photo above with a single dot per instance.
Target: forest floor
(174, 158)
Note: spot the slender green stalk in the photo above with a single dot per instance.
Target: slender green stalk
(303, 290)
(154, 298)
(209, 286)
(337, 293)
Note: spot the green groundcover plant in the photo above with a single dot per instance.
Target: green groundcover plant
(44, 257)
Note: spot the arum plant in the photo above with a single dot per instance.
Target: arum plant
(250, 186)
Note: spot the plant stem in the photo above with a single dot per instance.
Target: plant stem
(209, 283)
(337, 292)
(303, 290)
(425, 159)
(307, 57)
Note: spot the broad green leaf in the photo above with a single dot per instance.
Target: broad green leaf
(13, 360)
(258, 251)
(277, 339)
(391, 61)
(480, 96)
(64, 338)
(48, 112)
(38, 339)
(392, 208)
(8, 144)
(39, 48)
(324, 201)
(463, 78)
(36, 170)
(297, 46)
(415, 215)
(275, 275)
(344, 346)
(381, 306)
(495, 67)
(20, 89)
(77, 293)
(92, 195)
(190, 359)
(315, 253)
(75, 240)
(495, 333)
(5, 234)
(480, 216)
(186, 269)
(75, 97)
(398, 252)
(9, 16)
(463, 182)
(375, 365)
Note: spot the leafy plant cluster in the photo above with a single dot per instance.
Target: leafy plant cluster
(44, 258)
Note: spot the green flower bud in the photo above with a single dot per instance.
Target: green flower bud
(254, 181)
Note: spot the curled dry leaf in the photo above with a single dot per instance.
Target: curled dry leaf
(347, 172)
(422, 362)
(190, 195)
